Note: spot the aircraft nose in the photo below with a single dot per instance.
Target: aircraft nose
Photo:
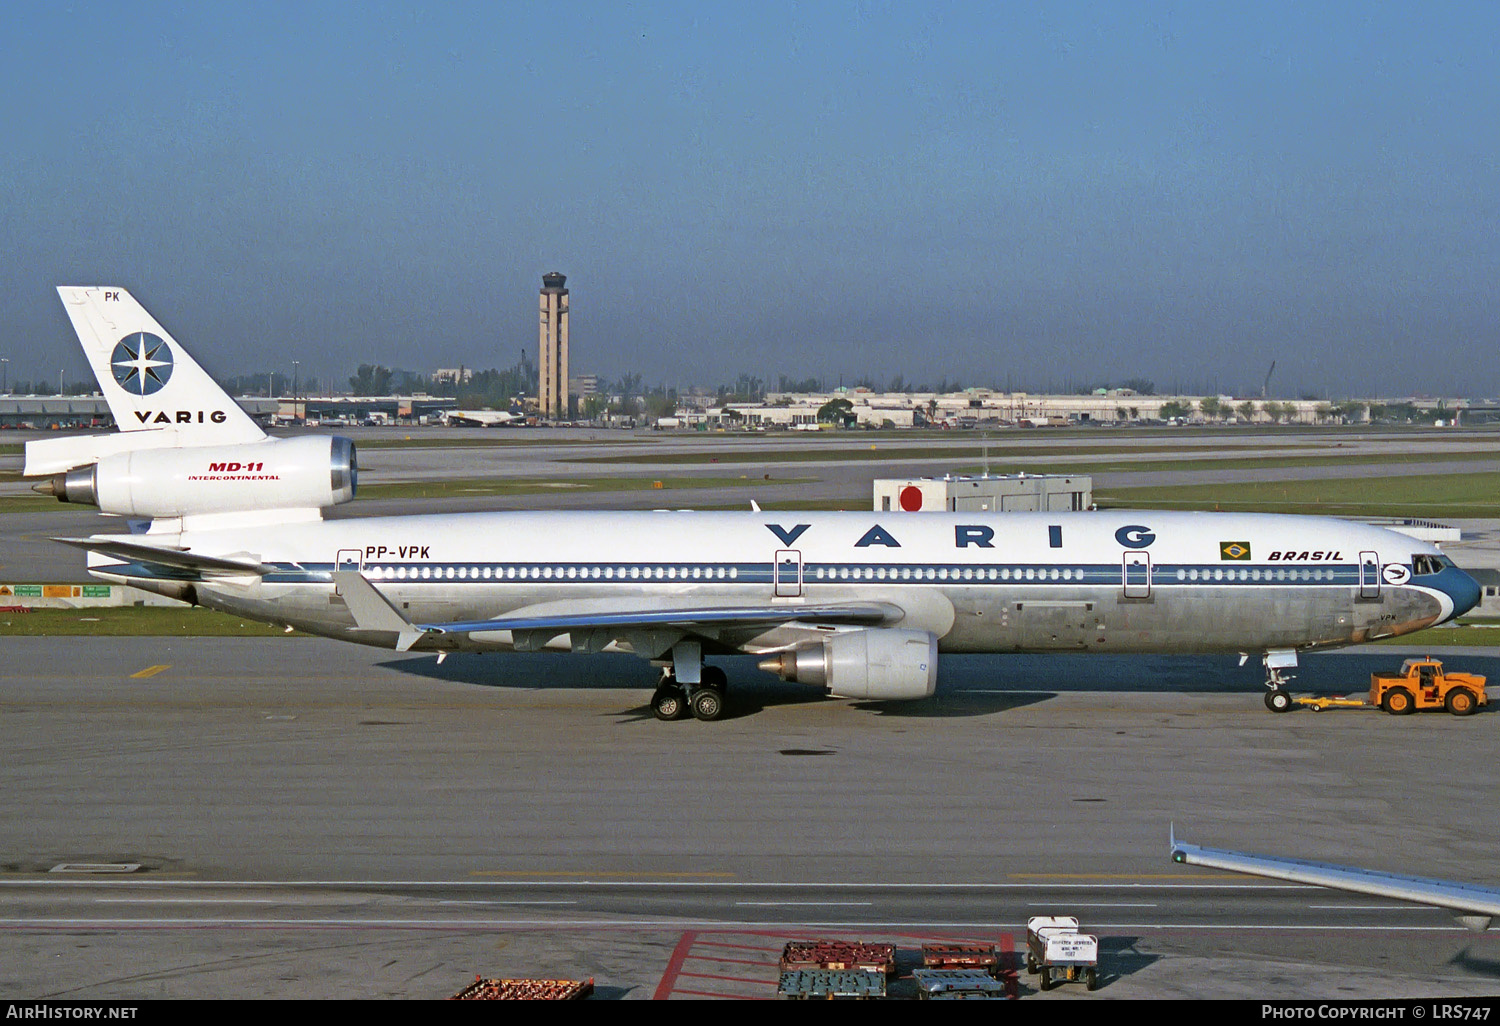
(1460, 587)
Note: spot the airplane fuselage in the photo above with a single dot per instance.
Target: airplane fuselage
(1131, 581)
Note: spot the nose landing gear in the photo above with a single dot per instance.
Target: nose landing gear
(1278, 698)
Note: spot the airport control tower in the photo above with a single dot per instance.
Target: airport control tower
(552, 368)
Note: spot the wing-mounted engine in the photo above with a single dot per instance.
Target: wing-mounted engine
(883, 664)
(288, 473)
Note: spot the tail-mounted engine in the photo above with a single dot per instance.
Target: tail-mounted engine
(288, 473)
(884, 663)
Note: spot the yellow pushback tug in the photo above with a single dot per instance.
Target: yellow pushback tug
(1420, 685)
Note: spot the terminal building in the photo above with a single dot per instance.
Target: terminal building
(46, 413)
(54, 412)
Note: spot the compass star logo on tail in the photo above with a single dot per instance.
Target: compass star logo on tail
(142, 363)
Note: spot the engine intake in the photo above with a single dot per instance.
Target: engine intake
(883, 664)
(289, 473)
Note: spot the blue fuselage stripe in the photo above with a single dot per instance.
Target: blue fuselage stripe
(825, 573)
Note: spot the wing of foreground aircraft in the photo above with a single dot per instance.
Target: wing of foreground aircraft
(1472, 905)
(373, 611)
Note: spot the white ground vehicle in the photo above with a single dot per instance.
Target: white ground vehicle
(1059, 953)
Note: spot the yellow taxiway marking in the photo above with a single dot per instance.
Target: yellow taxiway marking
(151, 671)
(551, 874)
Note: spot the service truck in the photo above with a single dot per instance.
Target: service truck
(1058, 952)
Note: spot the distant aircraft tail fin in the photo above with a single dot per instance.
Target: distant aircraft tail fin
(149, 381)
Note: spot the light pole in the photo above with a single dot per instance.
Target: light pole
(294, 390)
(5, 374)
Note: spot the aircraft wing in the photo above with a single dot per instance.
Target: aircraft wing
(1473, 905)
(861, 613)
(372, 611)
(161, 556)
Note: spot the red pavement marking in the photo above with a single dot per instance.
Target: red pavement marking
(1006, 945)
(674, 966)
(731, 979)
(1008, 966)
(734, 961)
(742, 947)
(726, 997)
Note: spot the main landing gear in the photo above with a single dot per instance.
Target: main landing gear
(1278, 698)
(704, 700)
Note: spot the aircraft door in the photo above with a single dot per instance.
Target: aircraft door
(1136, 574)
(787, 573)
(1369, 575)
(349, 559)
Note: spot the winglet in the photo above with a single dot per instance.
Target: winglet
(372, 611)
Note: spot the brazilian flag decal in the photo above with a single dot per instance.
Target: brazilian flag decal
(1234, 550)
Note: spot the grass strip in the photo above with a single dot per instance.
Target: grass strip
(464, 488)
(29, 504)
(1463, 636)
(1238, 463)
(813, 454)
(416, 442)
(1418, 495)
(133, 621)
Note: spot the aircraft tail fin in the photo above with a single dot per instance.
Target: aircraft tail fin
(149, 381)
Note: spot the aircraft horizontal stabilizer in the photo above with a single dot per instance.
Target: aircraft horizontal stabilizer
(1472, 904)
(373, 611)
(176, 559)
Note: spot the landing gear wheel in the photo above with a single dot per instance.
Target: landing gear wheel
(1278, 700)
(669, 703)
(708, 703)
(1461, 701)
(1398, 702)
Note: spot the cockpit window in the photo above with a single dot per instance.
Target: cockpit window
(1421, 565)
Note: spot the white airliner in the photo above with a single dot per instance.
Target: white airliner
(479, 418)
(858, 603)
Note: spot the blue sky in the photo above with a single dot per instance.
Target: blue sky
(1040, 194)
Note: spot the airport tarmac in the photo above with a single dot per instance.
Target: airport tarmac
(314, 819)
